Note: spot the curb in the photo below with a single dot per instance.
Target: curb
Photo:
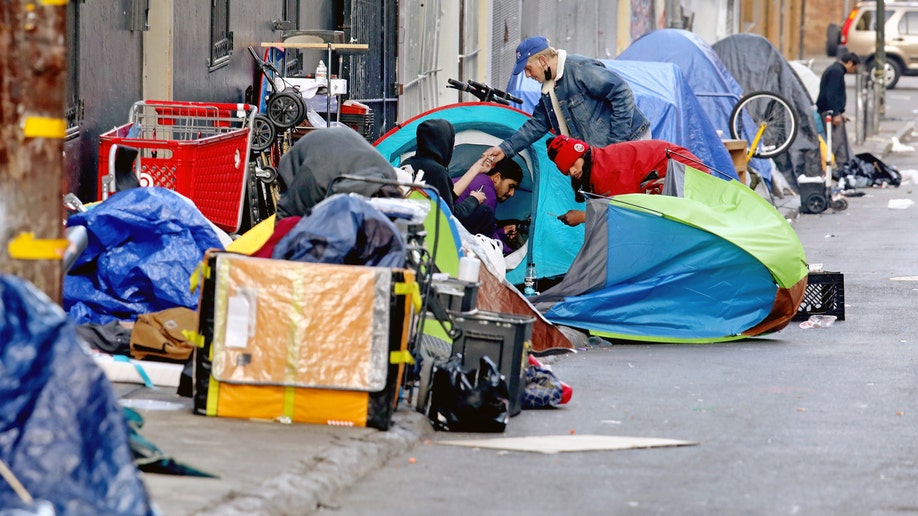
(316, 480)
(903, 134)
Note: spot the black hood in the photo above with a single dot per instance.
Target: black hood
(436, 138)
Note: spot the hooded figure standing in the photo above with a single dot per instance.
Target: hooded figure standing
(436, 139)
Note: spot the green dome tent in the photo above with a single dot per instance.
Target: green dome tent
(708, 261)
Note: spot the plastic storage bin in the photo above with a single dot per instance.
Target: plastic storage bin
(504, 338)
(456, 295)
(813, 194)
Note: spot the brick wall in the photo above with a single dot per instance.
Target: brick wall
(818, 15)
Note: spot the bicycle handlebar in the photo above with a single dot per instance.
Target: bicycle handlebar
(484, 92)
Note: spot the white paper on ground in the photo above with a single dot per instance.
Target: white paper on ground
(900, 204)
(569, 443)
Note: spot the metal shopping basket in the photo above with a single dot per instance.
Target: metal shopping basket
(198, 149)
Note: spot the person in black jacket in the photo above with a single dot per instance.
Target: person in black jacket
(831, 101)
(436, 138)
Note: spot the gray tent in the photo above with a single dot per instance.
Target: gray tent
(757, 65)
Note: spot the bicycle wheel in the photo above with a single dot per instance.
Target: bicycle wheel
(766, 112)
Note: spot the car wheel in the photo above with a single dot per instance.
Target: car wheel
(893, 71)
(833, 38)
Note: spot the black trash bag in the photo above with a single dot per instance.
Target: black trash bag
(469, 400)
(880, 172)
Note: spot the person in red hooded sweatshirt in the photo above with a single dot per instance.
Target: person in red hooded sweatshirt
(620, 168)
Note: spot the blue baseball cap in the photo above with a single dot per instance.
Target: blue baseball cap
(526, 49)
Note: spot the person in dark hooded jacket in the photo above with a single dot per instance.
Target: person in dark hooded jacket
(436, 139)
(308, 169)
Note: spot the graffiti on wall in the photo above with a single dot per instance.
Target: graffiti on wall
(642, 18)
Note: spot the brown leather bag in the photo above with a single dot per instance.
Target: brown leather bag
(159, 335)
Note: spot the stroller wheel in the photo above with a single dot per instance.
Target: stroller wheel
(285, 110)
(263, 133)
(266, 174)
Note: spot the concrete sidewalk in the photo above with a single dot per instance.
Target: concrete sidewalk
(263, 467)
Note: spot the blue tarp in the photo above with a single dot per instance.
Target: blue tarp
(665, 97)
(62, 432)
(144, 244)
(343, 230)
(716, 89)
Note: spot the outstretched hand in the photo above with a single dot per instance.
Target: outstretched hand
(573, 217)
(495, 154)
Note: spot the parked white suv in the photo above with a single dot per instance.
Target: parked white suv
(858, 35)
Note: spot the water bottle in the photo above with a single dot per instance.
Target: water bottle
(321, 71)
(529, 281)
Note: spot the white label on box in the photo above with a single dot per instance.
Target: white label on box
(238, 313)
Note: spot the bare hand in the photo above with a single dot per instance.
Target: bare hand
(495, 154)
(573, 217)
(478, 195)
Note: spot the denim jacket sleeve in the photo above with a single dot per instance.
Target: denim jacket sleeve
(533, 129)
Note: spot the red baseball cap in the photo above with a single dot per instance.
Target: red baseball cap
(564, 151)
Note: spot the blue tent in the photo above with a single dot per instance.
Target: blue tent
(665, 97)
(716, 89)
(545, 193)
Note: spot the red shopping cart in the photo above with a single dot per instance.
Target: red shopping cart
(200, 150)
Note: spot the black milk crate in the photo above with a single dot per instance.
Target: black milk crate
(504, 338)
(824, 295)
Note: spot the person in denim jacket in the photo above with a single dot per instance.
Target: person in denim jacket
(596, 104)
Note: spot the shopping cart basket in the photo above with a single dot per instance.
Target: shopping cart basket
(197, 149)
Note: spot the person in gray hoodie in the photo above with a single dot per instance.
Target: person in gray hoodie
(308, 171)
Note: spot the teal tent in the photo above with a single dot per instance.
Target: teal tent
(480, 125)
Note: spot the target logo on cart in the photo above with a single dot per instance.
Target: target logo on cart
(146, 179)
(236, 159)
